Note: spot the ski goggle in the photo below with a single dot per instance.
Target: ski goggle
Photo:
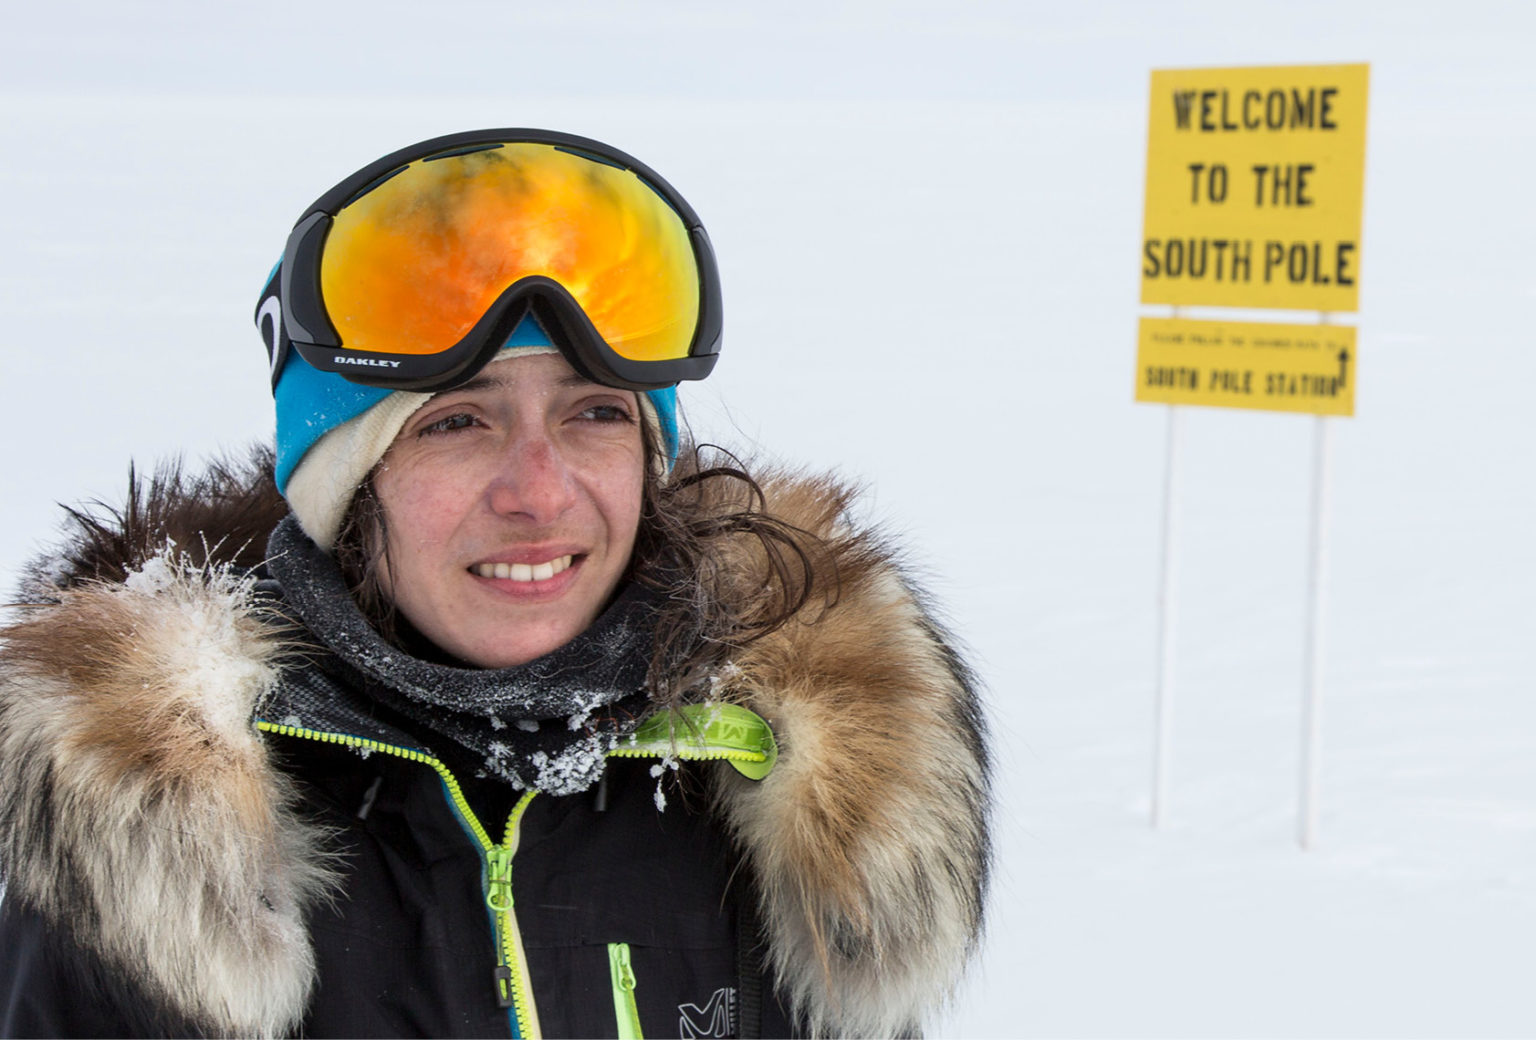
(411, 273)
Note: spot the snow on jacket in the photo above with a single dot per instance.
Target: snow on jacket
(164, 846)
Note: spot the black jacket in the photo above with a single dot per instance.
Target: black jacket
(409, 950)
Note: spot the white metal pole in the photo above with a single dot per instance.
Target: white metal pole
(1167, 615)
(1311, 710)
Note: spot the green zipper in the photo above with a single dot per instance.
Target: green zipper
(625, 1010)
(509, 978)
(694, 732)
(513, 988)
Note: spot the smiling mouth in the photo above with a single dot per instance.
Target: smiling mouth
(523, 571)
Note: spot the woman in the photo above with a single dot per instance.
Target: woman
(485, 707)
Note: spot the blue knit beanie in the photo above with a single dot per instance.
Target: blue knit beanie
(332, 432)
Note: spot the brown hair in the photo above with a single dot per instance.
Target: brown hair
(727, 570)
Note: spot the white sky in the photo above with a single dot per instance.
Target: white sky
(928, 219)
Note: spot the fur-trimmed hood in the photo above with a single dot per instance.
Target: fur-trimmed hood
(130, 673)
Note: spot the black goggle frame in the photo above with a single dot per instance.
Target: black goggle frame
(291, 312)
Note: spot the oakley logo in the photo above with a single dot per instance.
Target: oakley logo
(366, 362)
(269, 319)
(713, 1019)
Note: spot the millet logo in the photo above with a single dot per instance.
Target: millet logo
(715, 1018)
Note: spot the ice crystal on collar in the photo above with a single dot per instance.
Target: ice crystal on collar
(659, 771)
(587, 703)
(156, 574)
(575, 769)
(724, 676)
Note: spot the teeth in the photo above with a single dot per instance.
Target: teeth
(524, 571)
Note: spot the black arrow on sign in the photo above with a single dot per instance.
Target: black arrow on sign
(1344, 367)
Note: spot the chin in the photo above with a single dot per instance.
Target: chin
(494, 653)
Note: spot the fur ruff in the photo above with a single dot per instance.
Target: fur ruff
(130, 775)
(869, 839)
(139, 810)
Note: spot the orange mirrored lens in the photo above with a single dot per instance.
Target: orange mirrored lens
(410, 267)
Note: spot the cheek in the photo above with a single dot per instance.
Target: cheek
(415, 510)
(623, 502)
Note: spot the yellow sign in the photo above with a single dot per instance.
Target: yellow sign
(1254, 184)
(1240, 364)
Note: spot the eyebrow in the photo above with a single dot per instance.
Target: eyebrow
(497, 383)
(478, 383)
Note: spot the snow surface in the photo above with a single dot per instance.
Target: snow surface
(928, 218)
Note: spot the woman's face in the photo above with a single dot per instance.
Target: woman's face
(510, 506)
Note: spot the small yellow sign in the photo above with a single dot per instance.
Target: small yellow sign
(1254, 185)
(1239, 364)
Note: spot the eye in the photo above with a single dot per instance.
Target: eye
(607, 413)
(448, 423)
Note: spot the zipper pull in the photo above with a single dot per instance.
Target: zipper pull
(498, 896)
(503, 981)
(624, 970)
(626, 1010)
(498, 878)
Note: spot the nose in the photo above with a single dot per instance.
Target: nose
(534, 481)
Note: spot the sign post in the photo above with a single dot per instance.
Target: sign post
(1167, 629)
(1254, 195)
(1317, 587)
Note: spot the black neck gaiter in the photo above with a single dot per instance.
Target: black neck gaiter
(545, 725)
